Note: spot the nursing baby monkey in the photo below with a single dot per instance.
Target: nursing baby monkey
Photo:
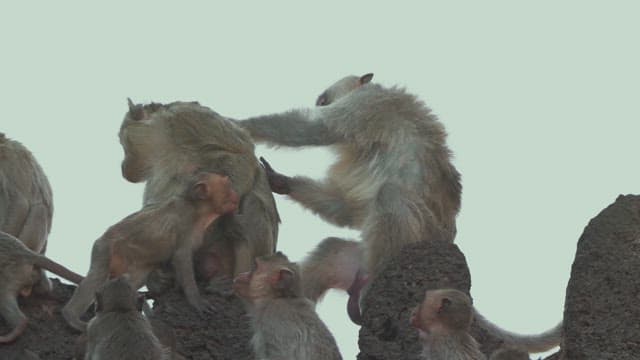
(16, 268)
(165, 142)
(285, 324)
(26, 202)
(163, 232)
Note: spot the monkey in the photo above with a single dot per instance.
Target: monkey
(285, 324)
(509, 354)
(393, 179)
(443, 320)
(26, 202)
(16, 267)
(161, 142)
(158, 233)
(119, 330)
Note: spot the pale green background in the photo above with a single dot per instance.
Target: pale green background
(540, 100)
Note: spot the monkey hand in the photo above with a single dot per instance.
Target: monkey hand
(279, 183)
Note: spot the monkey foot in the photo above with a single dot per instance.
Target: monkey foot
(15, 333)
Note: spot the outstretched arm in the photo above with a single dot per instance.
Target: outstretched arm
(292, 128)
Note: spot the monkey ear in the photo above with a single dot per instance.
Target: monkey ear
(366, 78)
(284, 279)
(136, 112)
(199, 191)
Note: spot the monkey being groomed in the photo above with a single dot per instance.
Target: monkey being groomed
(16, 267)
(26, 202)
(159, 233)
(164, 142)
(284, 322)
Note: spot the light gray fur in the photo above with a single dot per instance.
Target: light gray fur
(26, 201)
(393, 179)
(122, 333)
(173, 139)
(289, 328)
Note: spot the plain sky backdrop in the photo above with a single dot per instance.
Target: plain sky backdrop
(540, 100)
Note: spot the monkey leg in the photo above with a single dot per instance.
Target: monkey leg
(13, 316)
(84, 294)
(183, 265)
(324, 199)
(34, 234)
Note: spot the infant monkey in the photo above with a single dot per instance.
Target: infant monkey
(16, 268)
(284, 323)
(119, 330)
(443, 320)
(161, 232)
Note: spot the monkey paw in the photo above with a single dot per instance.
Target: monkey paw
(279, 183)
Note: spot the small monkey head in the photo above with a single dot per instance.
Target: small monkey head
(117, 295)
(272, 276)
(442, 311)
(215, 190)
(343, 87)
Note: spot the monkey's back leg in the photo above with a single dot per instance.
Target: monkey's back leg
(84, 293)
(395, 218)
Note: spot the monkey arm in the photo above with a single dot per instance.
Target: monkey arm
(324, 199)
(292, 128)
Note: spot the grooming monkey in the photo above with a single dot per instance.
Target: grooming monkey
(162, 142)
(443, 320)
(119, 330)
(393, 180)
(284, 322)
(26, 203)
(159, 233)
(16, 268)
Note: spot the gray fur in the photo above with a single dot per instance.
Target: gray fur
(162, 142)
(26, 201)
(119, 330)
(456, 346)
(393, 180)
(289, 328)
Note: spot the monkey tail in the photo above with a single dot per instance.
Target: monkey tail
(58, 269)
(531, 343)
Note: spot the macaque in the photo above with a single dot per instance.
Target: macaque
(393, 179)
(162, 142)
(26, 203)
(161, 232)
(443, 320)
(285, 324)
(119, 330)
(16, 269)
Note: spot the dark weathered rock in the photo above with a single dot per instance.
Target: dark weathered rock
(223, 334)
(602, 312)
(47, 335)
(386, 333)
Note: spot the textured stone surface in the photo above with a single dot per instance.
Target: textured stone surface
(602, 307)
(386, 333)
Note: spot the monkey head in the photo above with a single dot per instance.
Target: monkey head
(118, 295)
(342, 87)
(272, 276)
(442, 311)
(214, 190)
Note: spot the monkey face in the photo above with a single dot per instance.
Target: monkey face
(342, 88)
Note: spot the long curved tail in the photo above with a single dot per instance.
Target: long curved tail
(60, 270)
(532, 343)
